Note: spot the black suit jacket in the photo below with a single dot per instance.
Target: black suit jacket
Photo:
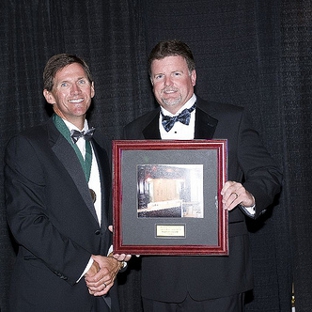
(51, 215)
(169, 279)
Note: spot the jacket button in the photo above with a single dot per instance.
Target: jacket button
(97, 232)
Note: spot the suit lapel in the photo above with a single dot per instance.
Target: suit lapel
(205, 125)
(151, 131)
(67, 156)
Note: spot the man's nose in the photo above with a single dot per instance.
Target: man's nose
(168, 81)
(75, 89)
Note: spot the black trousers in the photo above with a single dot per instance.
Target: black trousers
(108, 303)
(102, 305)
(233, 303)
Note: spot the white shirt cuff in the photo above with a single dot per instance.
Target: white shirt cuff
(90, 262)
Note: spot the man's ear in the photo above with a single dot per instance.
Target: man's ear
(48, 96)
(193, 77)
(92, 90)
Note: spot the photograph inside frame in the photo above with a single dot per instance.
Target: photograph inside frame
(170, 191)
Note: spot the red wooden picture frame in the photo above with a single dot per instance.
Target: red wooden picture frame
(166, 197)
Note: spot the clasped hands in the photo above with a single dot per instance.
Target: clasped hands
(233, 194)
(100, 277)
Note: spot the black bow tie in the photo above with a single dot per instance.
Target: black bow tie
(184, 117)
(75, 134)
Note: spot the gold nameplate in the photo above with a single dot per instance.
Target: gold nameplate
(170, 230)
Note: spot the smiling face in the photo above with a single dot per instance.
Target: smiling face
(173, 83)
(71, 94)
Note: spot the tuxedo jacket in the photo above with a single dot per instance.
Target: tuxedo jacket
(170, 278)
(52, 218)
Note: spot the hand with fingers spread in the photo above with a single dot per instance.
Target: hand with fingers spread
(235, 194)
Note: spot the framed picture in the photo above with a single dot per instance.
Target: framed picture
(166, 197)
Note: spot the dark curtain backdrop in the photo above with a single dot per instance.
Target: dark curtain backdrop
(256, 54)
(296, 95)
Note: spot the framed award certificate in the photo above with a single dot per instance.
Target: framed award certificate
(166, 197)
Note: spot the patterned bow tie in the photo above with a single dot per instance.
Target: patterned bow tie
(184, 117)
(75, 134)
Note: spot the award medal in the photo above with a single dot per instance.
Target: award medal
(93, 195)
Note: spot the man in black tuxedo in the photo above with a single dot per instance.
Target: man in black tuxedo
(58, 185)
(205, 283)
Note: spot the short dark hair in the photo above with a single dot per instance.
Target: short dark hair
(172, 48)
(59, 61)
